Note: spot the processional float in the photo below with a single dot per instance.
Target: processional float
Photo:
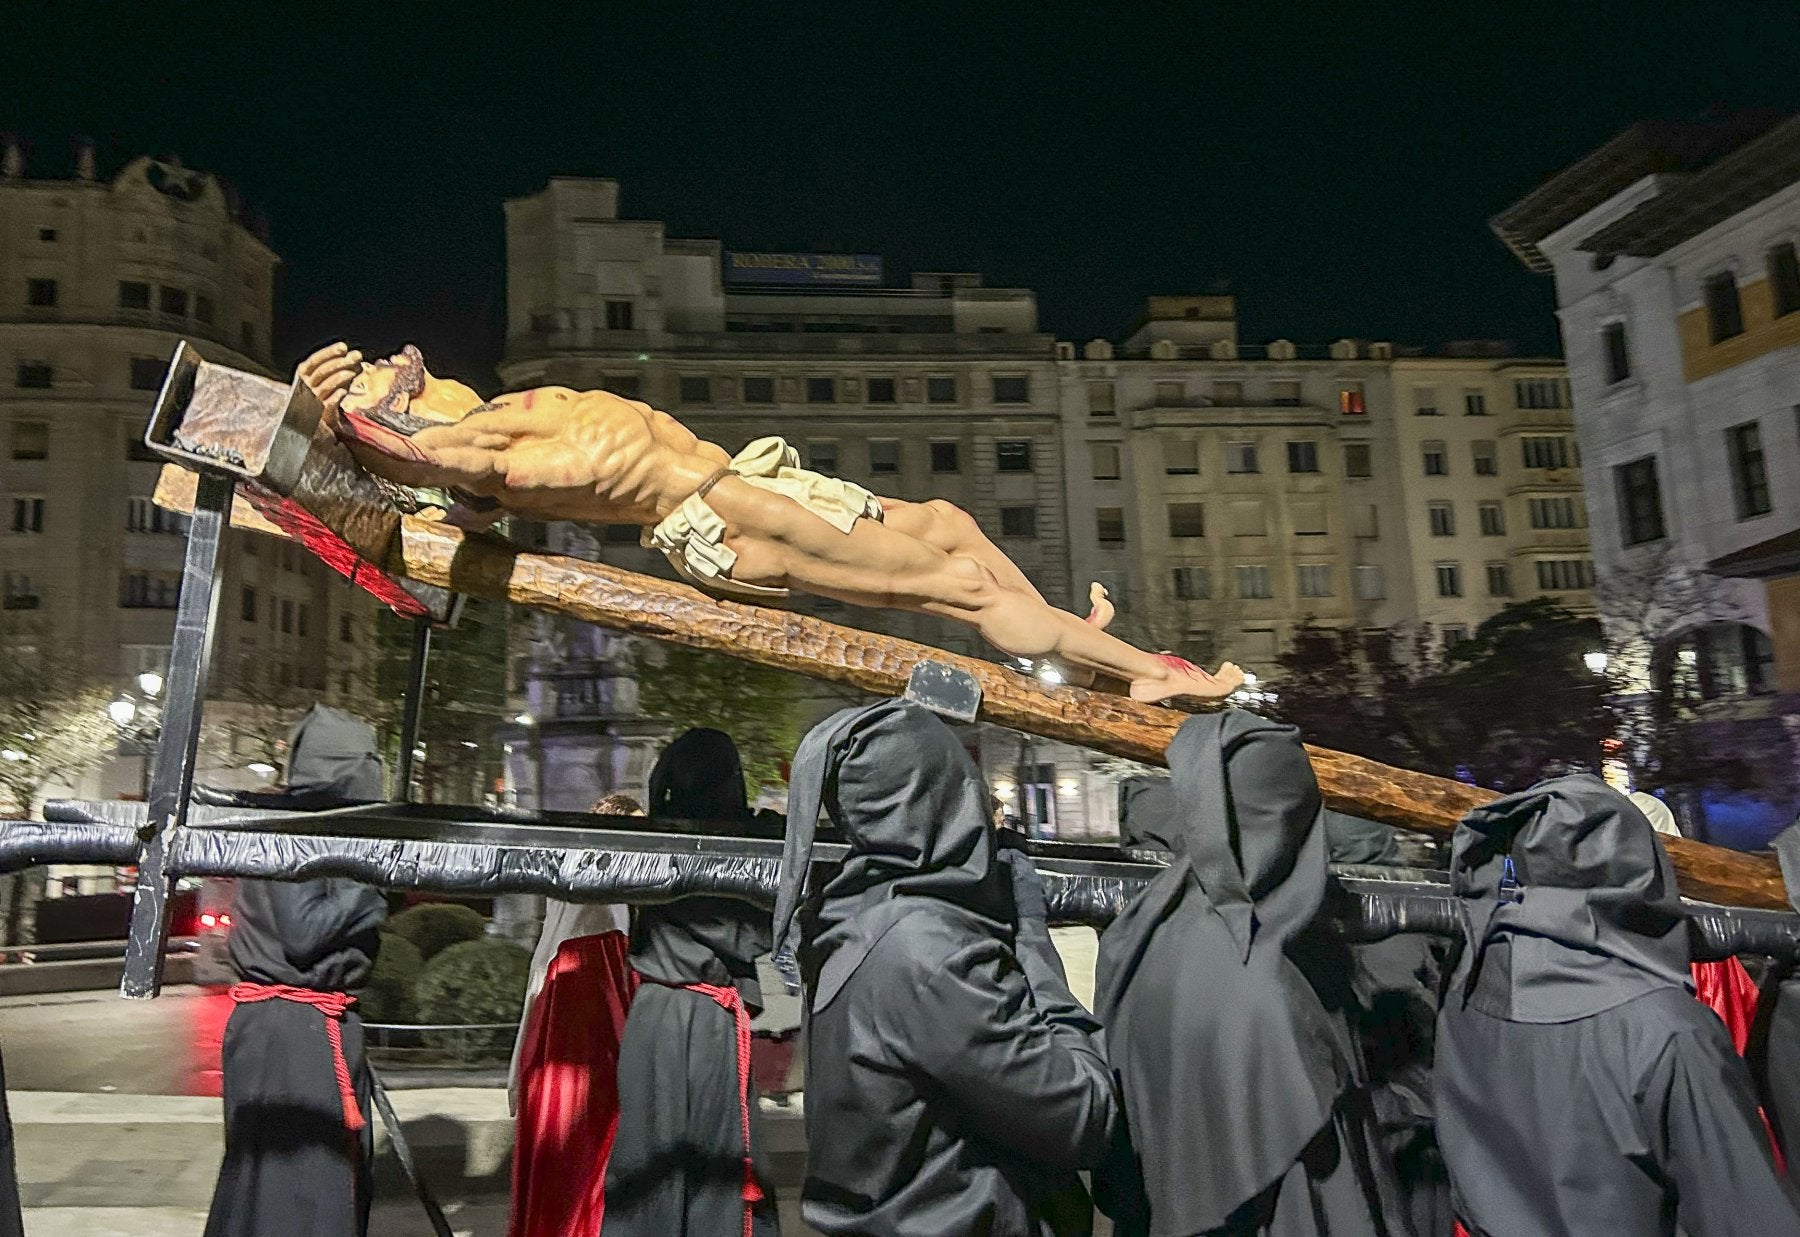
(256, 453)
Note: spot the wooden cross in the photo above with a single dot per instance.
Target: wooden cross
(326, 489)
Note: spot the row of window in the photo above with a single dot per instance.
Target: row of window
(1246, 518)
(1010, 455)
(1724, 307)
(825, 389)
(135, 297)
(141, 516)
(1181, 457)
(145, 374)
(1253, 581)
(1639, 492)
(1553, 513)
(1425, 403)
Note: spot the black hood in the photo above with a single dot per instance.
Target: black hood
(916, 813)
(1351, 839)
(1146, 811)
(700, 777)
(1599, 921)
(333, 756)
(706, 940)
(1251, 823)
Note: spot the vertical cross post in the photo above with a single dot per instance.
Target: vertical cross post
(172, 774)
(412, 707)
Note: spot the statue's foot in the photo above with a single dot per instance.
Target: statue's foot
(1101, 611)
(1184, 678)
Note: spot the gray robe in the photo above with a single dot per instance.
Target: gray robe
(1581, 1091)
(953, 1084)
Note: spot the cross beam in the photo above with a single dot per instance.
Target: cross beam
(334, 494)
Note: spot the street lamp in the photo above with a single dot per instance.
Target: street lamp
(150, 683)
(121, 711)
(1595, 662)
(139, 722)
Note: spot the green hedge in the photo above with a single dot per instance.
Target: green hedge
(436, 926)
(388, 994)
(476, 981)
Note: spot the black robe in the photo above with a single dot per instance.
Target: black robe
(1774, 1049)
(1395, 985)
(1225, 1013)
(12, 1223)
(291, 1164)
(1581, 1091)
(677, 1167)
(953, 1084)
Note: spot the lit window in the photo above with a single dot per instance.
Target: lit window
(1350, 399)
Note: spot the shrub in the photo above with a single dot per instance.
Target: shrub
(436, 926)
(475, 982)
(387, 996)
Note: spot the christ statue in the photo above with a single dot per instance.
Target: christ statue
(750, 526)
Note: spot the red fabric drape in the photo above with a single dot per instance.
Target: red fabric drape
(569, 1089)
(1726, 988)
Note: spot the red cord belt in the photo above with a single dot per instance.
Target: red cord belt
(727, 996)
(333, 1005)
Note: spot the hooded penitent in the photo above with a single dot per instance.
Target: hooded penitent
(685, 1159)
(1238, 1078)
(296, 1083)
(953, 1085)
(1580, 1089)
(1774, 1051)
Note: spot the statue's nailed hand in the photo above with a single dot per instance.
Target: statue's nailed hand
(328, 374)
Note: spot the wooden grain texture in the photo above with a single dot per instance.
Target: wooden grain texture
(640, 605)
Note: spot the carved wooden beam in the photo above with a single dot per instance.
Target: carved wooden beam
(482, 566)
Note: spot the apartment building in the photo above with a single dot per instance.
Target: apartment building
(1678, 294)
(99, 279)
(941, 388)
(1231, 492)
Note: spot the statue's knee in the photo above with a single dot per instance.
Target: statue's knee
(975, 586)
(951, 515)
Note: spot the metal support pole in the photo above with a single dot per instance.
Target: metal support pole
(172, 775)
(412, 707)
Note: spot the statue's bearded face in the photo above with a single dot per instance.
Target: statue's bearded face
(383, 389)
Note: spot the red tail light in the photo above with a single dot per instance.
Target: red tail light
(208, 920)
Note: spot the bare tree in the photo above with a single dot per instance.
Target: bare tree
(54, 729)
(1647, 606)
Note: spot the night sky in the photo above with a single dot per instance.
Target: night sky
(1336, 172)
